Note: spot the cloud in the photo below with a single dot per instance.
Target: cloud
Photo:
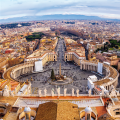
(100, 8)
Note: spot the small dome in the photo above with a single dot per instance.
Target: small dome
(88, 109)
(27, 109)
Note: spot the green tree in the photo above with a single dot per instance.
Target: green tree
(36, 35)
(52, 75)
(102, 48)
(116, 47)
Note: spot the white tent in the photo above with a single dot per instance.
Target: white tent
(38, 66)
(100, 67)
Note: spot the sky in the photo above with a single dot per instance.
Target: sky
(22, 8)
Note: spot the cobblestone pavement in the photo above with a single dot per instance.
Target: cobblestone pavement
(69, 69)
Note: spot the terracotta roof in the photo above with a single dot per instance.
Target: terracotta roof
(102, 81)
(67, 111)
(2, 59)
(47, 111)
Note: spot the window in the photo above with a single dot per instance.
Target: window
(88, 116)
(116, 109)
(27, 117)
(117, 113)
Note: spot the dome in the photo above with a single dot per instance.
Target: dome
(27, 109)
(88, 109)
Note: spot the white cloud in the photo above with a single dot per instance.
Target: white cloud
(19, 8)
(12, 16)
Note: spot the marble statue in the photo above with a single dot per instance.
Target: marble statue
(89, 92)
(72, 91)
(52, 91)
(65, 90)
(77, 91)
(39, 92)
(58, 91)
(6, 91)
(45, 92)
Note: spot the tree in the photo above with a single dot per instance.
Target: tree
(102, 48)
(52, 75)
(116, 47)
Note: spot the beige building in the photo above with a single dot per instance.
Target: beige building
(75, 52)
(47, 56)
(73, 56)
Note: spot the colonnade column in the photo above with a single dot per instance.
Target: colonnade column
(81, 66)
(88, 67)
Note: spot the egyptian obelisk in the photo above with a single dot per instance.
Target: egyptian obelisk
(60, 69)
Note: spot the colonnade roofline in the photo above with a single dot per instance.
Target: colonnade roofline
(111, 77)
(7, 73)
(42, 55)
(76, 55)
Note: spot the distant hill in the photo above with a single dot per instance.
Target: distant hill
(53, 17)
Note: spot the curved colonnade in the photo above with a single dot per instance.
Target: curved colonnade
(14, 72)
(111, 74)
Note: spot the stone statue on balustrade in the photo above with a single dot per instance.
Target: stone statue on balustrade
(45, 92)
(6, 91)
(112, 87)
(113, 92)
(72, 91)
(52, 92)
(58, 91)
(102, 92)
(77, 91)
(39, 92)
(89, 92)
(29, 89)
(118, 93)
(65, 90)
(15, 91)
(11, 94)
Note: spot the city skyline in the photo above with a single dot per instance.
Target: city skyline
(24, 8)
(60, 69)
